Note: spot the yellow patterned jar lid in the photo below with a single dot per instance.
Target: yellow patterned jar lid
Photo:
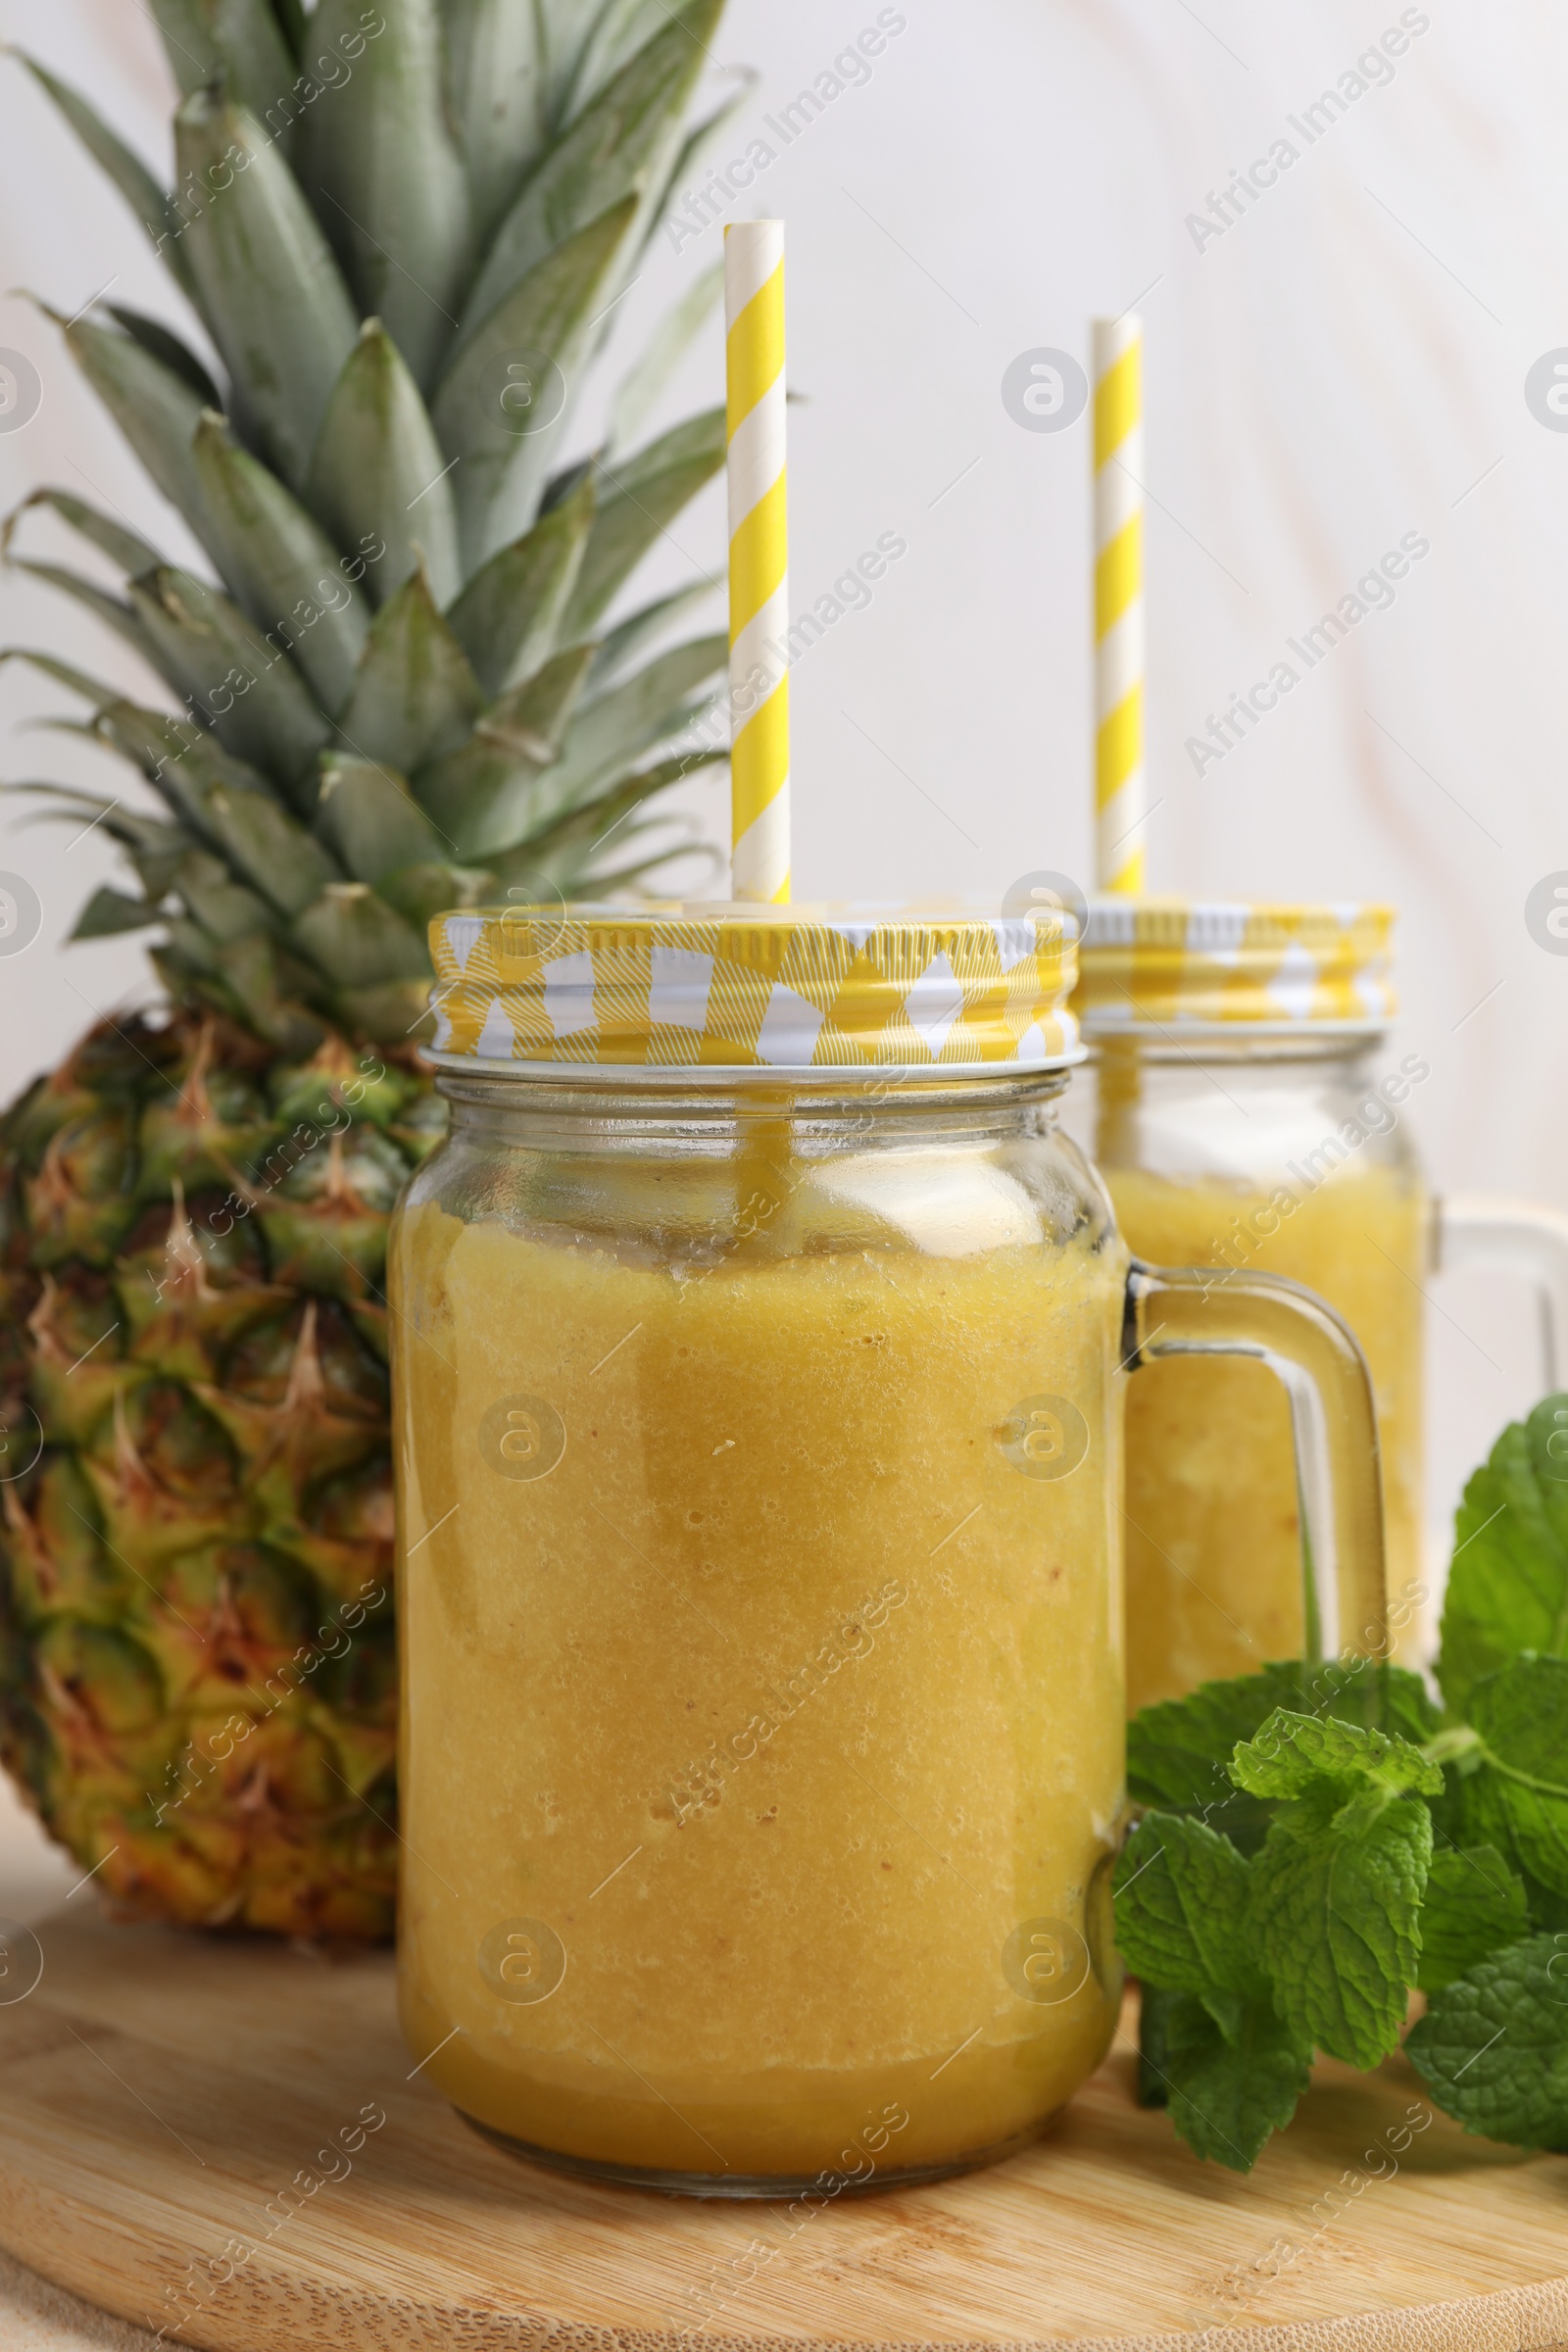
(789, 989)
(1148, 964)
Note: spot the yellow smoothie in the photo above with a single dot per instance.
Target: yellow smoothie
(762, 1664)
(1214, 1574)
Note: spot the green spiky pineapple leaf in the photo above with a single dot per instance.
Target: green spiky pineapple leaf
(115, 612)
(110, 912)
(639, 390)
(188, 43)
(538, 335)
(280, 568)
(601, 94)
(638, 500)
(395, 196)
(415, 696)
(610, 158)
(148, 200)
(481, 796)
(114, 539)
(510, 614)
(496, 85)
(279, 311)
(374, 823)
(260, 63)
(160, 343)
(248, 690)
(156, 406)
(379, 478)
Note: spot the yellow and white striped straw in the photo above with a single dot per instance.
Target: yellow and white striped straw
(758, 564)
(1119, 776)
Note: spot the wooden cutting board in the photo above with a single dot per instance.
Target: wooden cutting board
(159, 2092)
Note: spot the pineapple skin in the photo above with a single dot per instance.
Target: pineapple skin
(197, 1647)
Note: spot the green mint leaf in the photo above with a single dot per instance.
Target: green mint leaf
(1153, 2014)
(1291, 1755)
(1484, 1819)
(1336, 1908)
(1375, 1694)
(1182, 1894)
(1178, 1753)
(1450, 1823)
(1492, 2047)
(1521, 1718)
(1474, 1904)
(1226, 2095)
(1175, 1748)
(1508, 1586)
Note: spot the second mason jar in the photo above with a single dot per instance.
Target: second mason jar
(759, 1351)
(1250, 1117)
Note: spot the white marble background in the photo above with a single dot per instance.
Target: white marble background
(1345, 365)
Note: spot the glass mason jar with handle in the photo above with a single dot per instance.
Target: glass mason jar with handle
(1248, 1117)
(759, 1351)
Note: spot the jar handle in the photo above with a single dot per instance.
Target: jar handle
(1191, 1310)
(1475, 1231)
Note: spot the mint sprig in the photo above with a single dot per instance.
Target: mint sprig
(1215, 2051)
(1179, 1753)
(1228, 2093)
(1493, 2048)
(1520, 1717)
(1508, 1586)
(1319, 1843)
(1474, 1904)
(1338, 1885)
(1183, 1895)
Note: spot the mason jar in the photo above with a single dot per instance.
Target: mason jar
(1250, 1117)
(761, 1344)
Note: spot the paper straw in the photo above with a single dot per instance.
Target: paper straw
(758, 564)
(1119, 779)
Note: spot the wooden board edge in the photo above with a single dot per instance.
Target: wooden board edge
(73, 2249)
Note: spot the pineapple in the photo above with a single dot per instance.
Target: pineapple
(404, 229)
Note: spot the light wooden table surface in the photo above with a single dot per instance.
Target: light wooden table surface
(35, 2317)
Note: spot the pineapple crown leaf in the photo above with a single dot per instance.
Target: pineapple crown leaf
(122, 546)
(375, 825)
(45, 309)
(115, 614)
(163, 344)
(109, 914)
(147, 198)
(141, 836)
(92, 689)
(621, 646)
(639, 388)
(397, 691)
